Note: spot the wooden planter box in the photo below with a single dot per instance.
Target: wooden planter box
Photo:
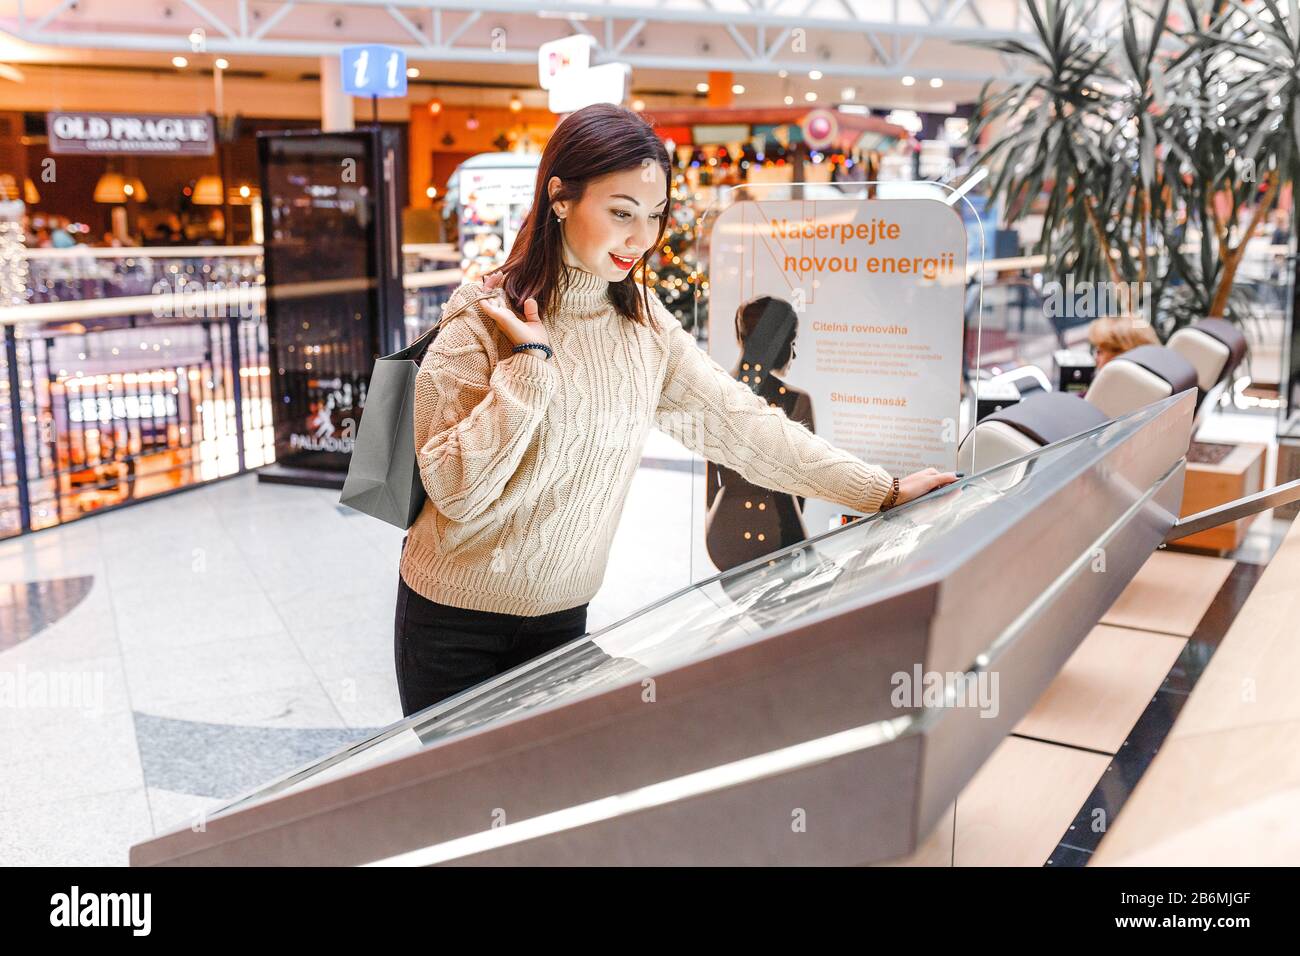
(1239, 473)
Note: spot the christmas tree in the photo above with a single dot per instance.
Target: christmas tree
(673, 267)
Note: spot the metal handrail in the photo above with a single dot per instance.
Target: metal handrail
(1235, 510)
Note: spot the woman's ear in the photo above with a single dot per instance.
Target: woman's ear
(561, 207)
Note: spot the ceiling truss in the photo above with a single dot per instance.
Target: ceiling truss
(838, 37)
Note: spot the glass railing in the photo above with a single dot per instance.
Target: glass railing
(127, 373)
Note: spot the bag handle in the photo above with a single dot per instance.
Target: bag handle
(415, 351)
(463, 306)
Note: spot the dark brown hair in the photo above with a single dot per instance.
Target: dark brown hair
(775, 319)
(594, 141)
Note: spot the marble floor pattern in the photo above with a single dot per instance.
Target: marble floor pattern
(167, 657)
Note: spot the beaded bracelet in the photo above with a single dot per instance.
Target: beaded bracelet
(892, 498)
(534, 345)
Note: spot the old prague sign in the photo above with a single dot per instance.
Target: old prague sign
(130, 133)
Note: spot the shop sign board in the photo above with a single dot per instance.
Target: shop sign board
(607, 83)
(137, 134)
(373, 69)
(558, 59)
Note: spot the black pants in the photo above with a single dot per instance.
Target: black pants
(442, 650)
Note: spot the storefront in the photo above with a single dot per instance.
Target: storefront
(109, 179)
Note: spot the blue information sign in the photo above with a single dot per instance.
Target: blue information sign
(373, 69)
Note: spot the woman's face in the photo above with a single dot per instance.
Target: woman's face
(616, 221)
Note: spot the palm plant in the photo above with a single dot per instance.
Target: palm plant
(1231, 132)
(1053, 131)
(1176, 130)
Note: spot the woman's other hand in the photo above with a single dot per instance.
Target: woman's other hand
(921, 482)
(517, 330)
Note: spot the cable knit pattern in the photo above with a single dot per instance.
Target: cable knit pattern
(527, 461)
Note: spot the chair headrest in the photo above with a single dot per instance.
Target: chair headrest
(1227, 333)
(1050, 416)
(1164, 362)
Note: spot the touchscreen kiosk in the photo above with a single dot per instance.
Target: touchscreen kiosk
(823, 704)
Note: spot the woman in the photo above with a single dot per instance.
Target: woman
(529, 430)
(1112, 336)
(746, 521)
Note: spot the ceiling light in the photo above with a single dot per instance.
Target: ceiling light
(222, 63)
(737, 89)
(180, 62)
(909, 80)
(207, 190)
(701, 87)
(814, 74)
(936, 82)
(412, 72)
(810, 96)
(111, 187)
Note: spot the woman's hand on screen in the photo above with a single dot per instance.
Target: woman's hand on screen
(921, 482)
(517, 330)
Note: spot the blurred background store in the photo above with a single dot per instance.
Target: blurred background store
(143, 205)
(123, 404)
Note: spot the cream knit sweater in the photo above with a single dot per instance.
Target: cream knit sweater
(527, 460)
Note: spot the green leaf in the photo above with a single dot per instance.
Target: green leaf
(1148, 147)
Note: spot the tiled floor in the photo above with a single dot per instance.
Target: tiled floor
(1052, 788)
(175, 654)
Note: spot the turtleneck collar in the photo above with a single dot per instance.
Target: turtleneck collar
(581, 291)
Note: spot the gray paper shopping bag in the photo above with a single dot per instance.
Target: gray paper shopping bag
(383, 476)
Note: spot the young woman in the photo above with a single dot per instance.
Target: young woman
(533, 405)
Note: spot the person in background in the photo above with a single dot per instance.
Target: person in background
(1281, 234)
(1111, 336)
(159, 235)
(60, 236)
